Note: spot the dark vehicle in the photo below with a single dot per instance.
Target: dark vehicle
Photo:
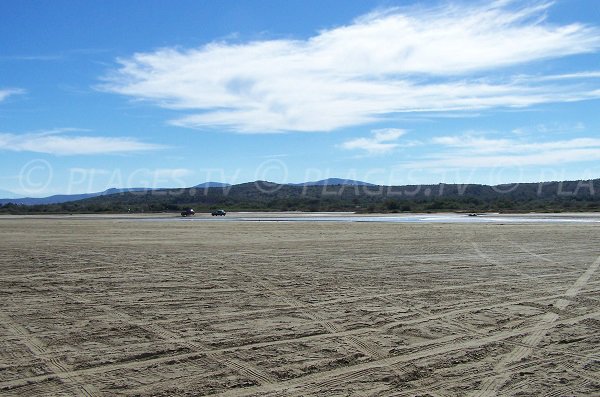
(188, 212)
(219, 213)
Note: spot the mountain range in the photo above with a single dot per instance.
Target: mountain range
(582, 195)
(9, 197)
(62, 198)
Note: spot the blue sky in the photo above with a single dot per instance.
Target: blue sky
(95, 95)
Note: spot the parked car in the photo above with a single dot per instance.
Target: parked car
(188, 212)
(219, 213)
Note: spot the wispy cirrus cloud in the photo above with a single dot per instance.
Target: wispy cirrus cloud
(58, 143)
(483, 144)
(440, 59)
(6, 92)
(595, 74)
(479, 151)
(381, 141)
(550, 128)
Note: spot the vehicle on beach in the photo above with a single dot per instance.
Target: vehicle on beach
(219, 213)
(188, 212)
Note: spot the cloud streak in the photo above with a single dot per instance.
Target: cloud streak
(6, 92)
(400, 60)
(382, 141)
(469, 151)
(55, 142)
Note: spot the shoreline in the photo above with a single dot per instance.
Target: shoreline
(297, 216)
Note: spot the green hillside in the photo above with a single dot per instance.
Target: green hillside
(266, 196)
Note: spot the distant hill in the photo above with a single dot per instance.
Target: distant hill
(212, 184)
(333, 182)
(268, 196)
(64, 198)
(9, 195)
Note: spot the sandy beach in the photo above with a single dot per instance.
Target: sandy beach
(103, 305)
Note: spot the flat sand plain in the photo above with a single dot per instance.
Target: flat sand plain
(101, 306)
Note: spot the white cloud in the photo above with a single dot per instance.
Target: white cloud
(468, 151)
(382, 141)
(482, 144)
(400, 60)
(6, 92)
(550, 157)
(54, 142)
(550, 128)
(580, 75)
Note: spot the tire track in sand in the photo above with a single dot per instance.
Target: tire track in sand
(240, 367)
(490, 386)
(428, 346)
(311, 383)
(55, 365)
(475, 374)
(171, 337)
(366, 348)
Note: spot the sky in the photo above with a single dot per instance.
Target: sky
(103, 94)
